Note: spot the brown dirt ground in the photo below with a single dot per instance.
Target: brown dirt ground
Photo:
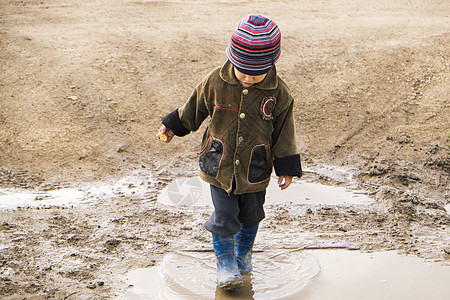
(83, 85)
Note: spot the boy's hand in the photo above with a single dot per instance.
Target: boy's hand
(284, 181)
(165, 134)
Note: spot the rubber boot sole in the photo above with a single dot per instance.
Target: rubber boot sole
(233, 284)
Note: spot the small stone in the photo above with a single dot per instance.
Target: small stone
(73, 98)
(354, 248)
(91, 286)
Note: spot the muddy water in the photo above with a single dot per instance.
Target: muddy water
(381, 275)
(193, 276)
(10, 199)
(181, 191)
(319, 274)
(136, 186)
(193, 191)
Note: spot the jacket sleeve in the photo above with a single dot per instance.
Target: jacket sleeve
(172, 121)
(190, 115)
(284, 145)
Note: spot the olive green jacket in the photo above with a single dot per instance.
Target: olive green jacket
(251, 130)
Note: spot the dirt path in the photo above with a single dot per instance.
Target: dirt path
(83, 85)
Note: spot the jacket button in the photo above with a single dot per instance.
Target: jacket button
(237, 162)
(240, 139)
(245, 91)
(242, 116)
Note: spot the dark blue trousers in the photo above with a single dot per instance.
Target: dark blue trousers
(230, 211)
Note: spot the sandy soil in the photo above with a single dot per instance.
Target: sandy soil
(83, 85)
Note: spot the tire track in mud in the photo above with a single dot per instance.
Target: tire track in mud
(413, 85)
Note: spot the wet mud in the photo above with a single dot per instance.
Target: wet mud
(83, 87)
(91, 247)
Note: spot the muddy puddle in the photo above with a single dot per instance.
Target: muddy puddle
(193, 276)
(137, 186)
(10, 199)
(180, 191)
(316, 274)
(194, 191)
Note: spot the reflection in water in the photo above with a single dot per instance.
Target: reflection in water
(244, 293)
(194, 191)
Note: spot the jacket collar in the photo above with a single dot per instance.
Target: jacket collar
(270, 82)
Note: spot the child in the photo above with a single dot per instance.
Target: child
(251, 131)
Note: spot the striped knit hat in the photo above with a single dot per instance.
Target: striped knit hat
(255, 45)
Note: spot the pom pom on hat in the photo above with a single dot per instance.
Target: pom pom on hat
(255, 45)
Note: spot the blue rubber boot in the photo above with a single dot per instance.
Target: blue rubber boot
(244, 244)
(227, 269)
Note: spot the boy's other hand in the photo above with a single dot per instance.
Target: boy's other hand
(169, 133)
(284, 181)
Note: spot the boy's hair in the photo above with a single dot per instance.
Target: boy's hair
(255, 45)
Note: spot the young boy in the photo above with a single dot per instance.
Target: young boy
(251, 131)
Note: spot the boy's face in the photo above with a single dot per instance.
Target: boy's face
(248, 80)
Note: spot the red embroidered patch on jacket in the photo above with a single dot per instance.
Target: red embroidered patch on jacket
(267, 107)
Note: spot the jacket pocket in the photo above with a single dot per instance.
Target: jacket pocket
(259, 168)
(211, 157)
